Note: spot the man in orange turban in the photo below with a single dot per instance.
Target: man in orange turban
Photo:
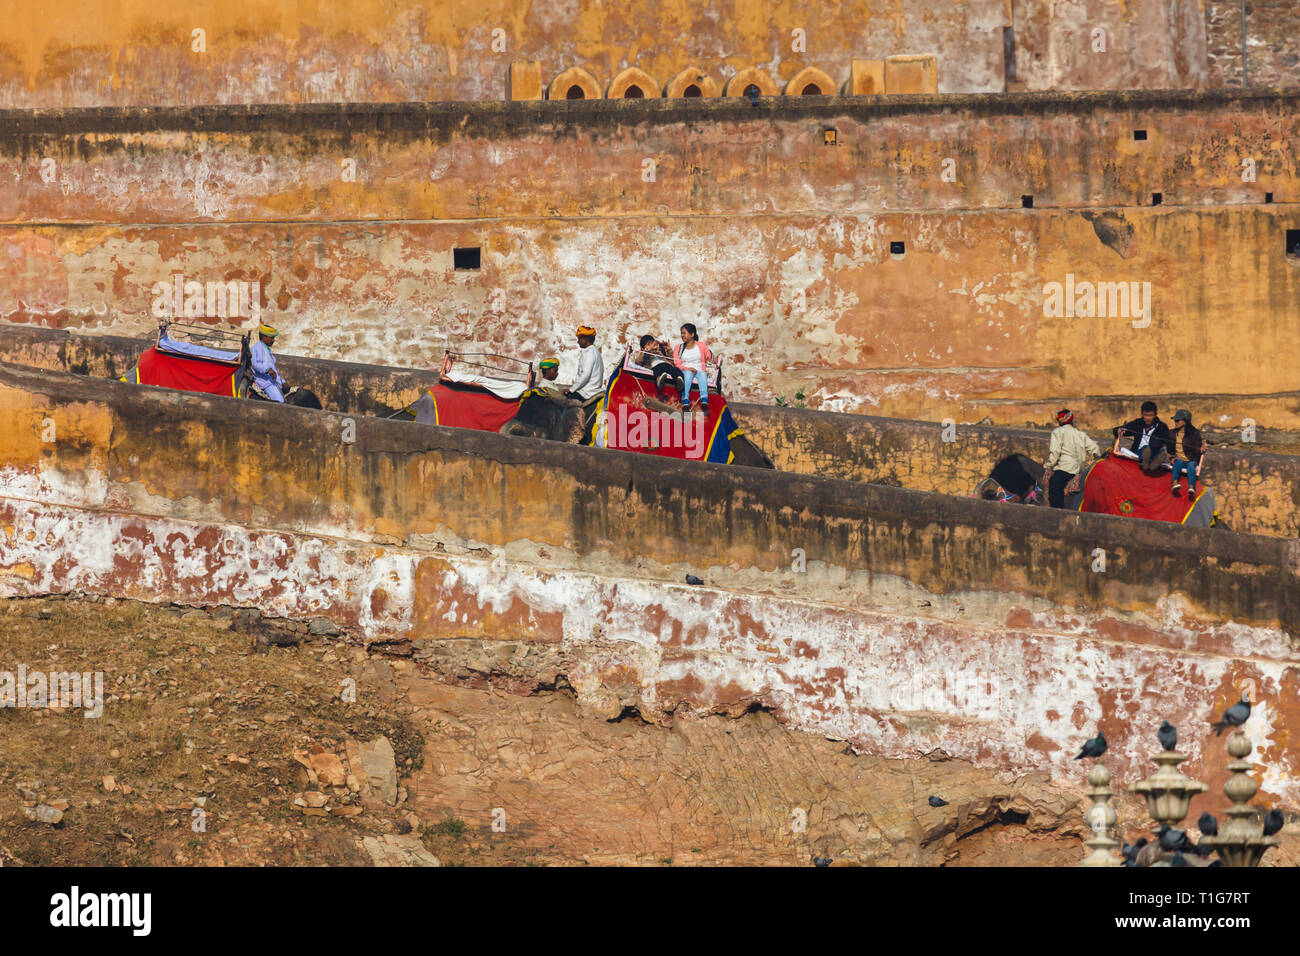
(590, 379)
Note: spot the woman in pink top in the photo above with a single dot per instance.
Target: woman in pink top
(693, 358)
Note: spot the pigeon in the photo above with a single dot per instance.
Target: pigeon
(1148, 855)
(753, 96)
(1207, 825)
(1093, 748)
(822, 861)
(1178, 860)
(692, 579)
(938, 802)
(1130, 852)
(1234, 716)
(1168, 735)
(1272, 822)
(1174, 840)
(1217, 863)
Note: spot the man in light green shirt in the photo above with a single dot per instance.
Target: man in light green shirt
(1071, 450)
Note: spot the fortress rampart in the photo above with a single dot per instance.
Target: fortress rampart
(426, 540)
(1258, 492)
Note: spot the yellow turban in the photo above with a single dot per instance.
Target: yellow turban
(267, 330)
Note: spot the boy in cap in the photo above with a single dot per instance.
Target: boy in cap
(1189, 446)
(1071, 449)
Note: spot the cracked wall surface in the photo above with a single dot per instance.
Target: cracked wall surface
(921, 621)
(777, 247)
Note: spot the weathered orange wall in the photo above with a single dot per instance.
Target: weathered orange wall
(1103, 44)
(420, 534)
(67, 53)
(776, 246)
(79, 53)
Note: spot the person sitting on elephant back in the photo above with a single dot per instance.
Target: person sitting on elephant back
(538, 405)
(1189, 446)
(693, 358)
(267, 381)
(589, 381)
(1151, 441)
(658, 358)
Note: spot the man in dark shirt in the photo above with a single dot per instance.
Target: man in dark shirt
(1189, 446)
(1151, 438)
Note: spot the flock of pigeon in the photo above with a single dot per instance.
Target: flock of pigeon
(1174, 846)
(1234, 716)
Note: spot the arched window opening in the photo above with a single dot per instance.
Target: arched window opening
(634, 93)
(753, 90)
(575, 93)
(692, 90)
(812, 89)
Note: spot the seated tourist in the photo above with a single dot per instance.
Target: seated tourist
(1189, 446)
(1151, 441)
(657, 357)
(693, 358)
(267, 381)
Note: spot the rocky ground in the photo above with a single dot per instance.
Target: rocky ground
(227, 739)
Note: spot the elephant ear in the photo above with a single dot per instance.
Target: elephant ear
(747, 453)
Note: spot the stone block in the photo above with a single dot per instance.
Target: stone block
(912, 74)
(525, 80)
(866, 78)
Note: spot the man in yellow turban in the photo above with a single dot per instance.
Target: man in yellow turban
(266, 375)
(550, 369)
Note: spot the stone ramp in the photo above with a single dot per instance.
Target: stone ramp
(1257, 490)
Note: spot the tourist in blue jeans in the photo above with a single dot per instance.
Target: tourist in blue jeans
(1189, 447)
(693, 358)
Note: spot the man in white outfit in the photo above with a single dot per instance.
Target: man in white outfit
(590, 380)
(266, 374)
